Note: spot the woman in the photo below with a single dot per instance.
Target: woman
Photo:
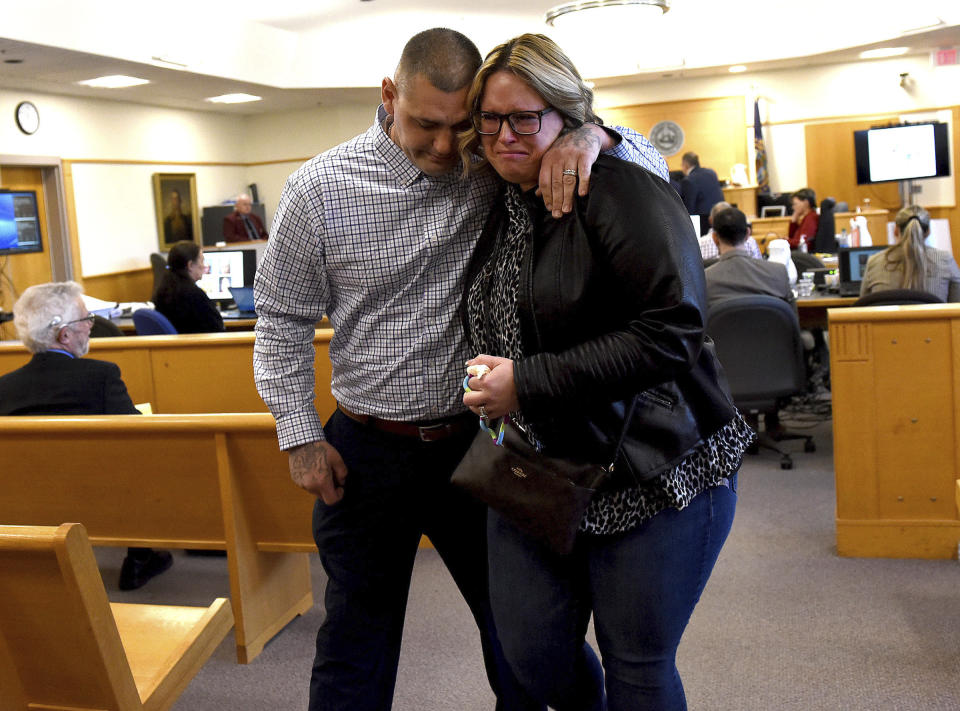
(910, 263)
(179, 298)
(577, 317)
(804, 221)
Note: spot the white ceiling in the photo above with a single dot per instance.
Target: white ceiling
(301, 53)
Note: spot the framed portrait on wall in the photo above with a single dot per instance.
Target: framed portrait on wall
(178, 217)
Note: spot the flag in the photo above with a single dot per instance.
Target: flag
(763, 180)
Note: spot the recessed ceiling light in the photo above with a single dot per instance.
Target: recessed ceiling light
(737, 69)
(233, 98)
(883, 52)
(114, 81)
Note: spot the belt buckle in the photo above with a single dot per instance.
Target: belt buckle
(427, 431)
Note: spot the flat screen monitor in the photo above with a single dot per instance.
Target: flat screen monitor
(19, 222)
(894, 153)
(852, 262)
(225, 268)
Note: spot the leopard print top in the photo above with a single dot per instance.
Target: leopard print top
(494, 325)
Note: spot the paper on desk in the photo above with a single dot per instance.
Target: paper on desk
(107, 309)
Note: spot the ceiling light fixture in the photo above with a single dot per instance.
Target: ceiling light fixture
(737, 69)
(565, 15)
(114, 81)
(232, 99)
(882, 52)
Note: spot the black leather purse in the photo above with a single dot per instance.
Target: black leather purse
(545, 497)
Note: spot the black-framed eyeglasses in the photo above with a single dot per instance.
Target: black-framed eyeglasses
(57, 322)
(523, 123)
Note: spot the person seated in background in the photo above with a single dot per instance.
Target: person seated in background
(700, 188)
(708, 244)
(910, 263)
(54, 325)
(804, 221)
(179, 298)
(243, 225)
(737, 273)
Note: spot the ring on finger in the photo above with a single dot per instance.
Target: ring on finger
(569, 171)
(483, 413)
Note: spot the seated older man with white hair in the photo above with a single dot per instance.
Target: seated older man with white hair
(243, 224)
(54, 325)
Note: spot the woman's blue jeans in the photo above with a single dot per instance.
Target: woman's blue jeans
(641, 587)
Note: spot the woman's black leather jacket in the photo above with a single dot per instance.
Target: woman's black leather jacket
(612, 306)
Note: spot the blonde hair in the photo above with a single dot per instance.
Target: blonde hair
(909, 253)
(41, 309)
(542, 64)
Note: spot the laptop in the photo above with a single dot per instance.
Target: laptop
(852, 263)
(243, 295)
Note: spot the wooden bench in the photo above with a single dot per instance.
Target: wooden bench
(205, 372)
(179, 481)
(64, 647)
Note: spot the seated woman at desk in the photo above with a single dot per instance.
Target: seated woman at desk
(179, 298)
(910, 263)
(804, 221)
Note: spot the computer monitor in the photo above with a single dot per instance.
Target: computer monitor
(225, 268)
(852, 263)
(19, 222)
(773, 211)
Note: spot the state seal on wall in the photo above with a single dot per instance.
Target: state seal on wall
(667, 137)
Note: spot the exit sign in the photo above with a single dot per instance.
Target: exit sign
(946, 57)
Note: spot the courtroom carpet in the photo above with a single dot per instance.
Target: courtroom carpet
(783, 624)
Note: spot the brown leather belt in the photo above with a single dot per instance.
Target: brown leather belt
(425, 431)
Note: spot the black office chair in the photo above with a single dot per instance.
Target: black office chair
(805, 262)
(159, 265)
(758, 343)
(104, 328)
(825, 240)
(898, 297)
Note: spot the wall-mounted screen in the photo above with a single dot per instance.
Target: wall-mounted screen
(910, 152)
(225, 268)
(19, 222)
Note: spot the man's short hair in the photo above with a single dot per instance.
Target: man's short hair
(447, 58)
(717, 208)
(39, 310)
(691, 159)
(730, 226)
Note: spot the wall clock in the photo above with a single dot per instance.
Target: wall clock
(28, 118)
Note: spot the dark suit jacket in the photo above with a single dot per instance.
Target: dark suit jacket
(234, 231)
(186, 305)
(700, 191)
(739, 274)
(56, 384)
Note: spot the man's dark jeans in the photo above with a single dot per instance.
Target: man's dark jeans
(397, 488)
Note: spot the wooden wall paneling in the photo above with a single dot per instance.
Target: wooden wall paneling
(831, 165)
(72, 220)
(25, 269)
(134, 285)
(713, 128)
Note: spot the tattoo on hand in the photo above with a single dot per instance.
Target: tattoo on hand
(582, 138)
(307, 460)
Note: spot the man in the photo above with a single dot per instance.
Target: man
(54, 325)
(177, 225)
(700, 188)
(243, 225)
(737, 273)
(376, 233)
(708, 245)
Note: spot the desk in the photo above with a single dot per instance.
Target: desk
(813, 309)
(894, 372)
(230, 323)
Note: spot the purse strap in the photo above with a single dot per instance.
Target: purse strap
(623, 433)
